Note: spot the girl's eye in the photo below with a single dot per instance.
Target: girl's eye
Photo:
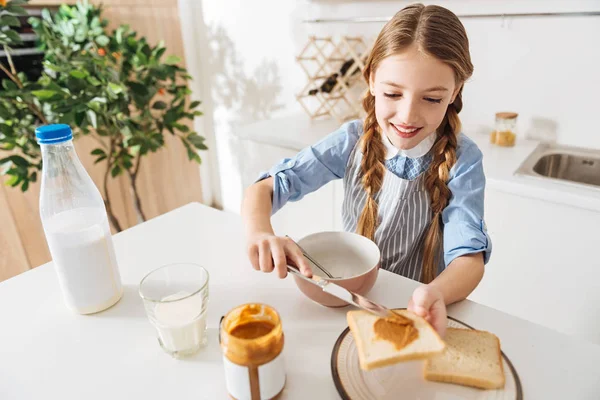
(392, 95)
(436, 101)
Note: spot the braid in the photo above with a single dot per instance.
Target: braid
(372, 168)
(444, 158)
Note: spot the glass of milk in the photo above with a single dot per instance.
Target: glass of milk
(175, 297)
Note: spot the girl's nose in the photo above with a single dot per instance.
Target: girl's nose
(408, 111)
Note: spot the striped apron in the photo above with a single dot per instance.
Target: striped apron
(404, 216)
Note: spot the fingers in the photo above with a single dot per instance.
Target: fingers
(428, 303)
(295, 254)
(266, 262)
(278, 253)
(270, 253)
(422, 298)
(253, 256)
(439, 317)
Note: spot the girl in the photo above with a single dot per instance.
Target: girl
(413, 183)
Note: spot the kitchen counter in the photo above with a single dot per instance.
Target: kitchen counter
(296, 131)
(46, 351)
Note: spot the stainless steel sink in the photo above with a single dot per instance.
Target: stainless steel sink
(564, 164)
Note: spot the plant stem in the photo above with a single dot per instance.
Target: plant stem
(34, 109)
(113, 219)
(10, 61)
(134, 189)
(99, 140)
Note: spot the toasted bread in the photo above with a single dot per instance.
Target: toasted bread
(374, 352)
(472, 358)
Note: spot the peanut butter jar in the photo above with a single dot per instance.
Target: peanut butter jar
(252, 340)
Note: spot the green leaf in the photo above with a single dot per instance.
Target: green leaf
(66, 118)
(198, 142)
(33, 177)
(172, 60)
(5, 129)
(159, 105)
(116, 170)
(45, 95)
(46, 15)
(98, 152)
(119, 35)
(101, 158)
(13, 36)
(15, 9)
(79, 117)
(195, 104)
(116, 89)
(9, 20)
(182, 128)
(17, 160)
(19, 2)
(25, 186)
(12, 181)
(93, 81)
(102, 40)
(159, 52)
(78, 74)
(138, 88)
(9, 85)
(98, 100)
(91, 116)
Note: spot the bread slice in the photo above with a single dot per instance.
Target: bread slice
(471, 358)
(374, 352)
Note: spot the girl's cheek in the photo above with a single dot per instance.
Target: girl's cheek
(384, 110)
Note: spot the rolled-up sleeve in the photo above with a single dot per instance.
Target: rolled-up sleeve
(464, 227)
(313, 166)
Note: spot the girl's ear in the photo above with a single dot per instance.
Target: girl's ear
(372, 85)
(455, 93)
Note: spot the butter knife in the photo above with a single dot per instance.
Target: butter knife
(342, 293)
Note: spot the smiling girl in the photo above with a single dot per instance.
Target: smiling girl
(413, 182)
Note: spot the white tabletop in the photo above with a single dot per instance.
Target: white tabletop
(46, 351)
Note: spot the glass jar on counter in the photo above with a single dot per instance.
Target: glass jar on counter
(504, 133)
(251, 338)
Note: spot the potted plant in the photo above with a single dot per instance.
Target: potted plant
(113, 86)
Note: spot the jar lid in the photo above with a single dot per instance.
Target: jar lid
(507, 115)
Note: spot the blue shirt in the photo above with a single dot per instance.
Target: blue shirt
(314, 166)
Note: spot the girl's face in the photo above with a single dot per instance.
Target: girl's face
(412, 92)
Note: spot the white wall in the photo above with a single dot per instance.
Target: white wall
(546, 69)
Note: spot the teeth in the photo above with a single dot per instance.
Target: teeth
(405, 130)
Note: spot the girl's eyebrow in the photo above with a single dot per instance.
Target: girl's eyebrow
(433, 89)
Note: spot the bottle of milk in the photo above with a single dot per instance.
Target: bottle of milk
(76, 225)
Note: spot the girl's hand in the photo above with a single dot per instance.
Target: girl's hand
(268, 252)
(428, 302)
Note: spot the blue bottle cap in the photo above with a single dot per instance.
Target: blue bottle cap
(54, 133)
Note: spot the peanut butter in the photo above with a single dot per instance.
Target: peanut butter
(252, 329)
(252, 342)
(252, 335)
(398, 330)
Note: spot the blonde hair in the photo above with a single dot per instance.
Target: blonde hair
(438, 32)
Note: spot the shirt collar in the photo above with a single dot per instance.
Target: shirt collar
(419, 150)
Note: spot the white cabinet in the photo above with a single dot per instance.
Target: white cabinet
(544, 265)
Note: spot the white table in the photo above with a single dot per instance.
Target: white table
(48, 352)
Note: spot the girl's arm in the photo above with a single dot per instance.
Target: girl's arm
(266, 251)
(457, 281)
(460, 278)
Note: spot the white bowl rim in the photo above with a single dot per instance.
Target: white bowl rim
(371, 243)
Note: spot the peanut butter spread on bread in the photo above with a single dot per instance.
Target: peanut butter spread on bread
(398, 330)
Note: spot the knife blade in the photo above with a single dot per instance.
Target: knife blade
(344, 294)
